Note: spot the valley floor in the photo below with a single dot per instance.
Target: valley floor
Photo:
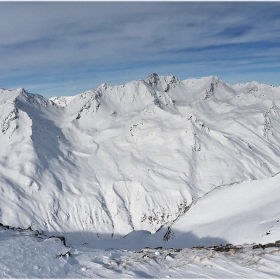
(25, 255)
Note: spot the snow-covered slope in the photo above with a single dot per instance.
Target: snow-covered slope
(25, 256)
(236, 214)
(132, 157)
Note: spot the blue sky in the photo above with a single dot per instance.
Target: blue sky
(65, 48)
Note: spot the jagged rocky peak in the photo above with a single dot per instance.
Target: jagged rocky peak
(152, 79)
(161, 82)
(105, 86)
(171, 79)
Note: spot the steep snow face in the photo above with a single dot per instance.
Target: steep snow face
(241, 213)
(118, 159)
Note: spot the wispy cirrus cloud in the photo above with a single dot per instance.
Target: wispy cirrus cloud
(82, 44)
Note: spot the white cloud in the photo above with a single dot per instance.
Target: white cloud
(46, 40)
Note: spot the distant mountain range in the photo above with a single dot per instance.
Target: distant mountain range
(136, 157)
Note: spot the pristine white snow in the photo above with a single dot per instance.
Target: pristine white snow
(130, 161)
(243, 213)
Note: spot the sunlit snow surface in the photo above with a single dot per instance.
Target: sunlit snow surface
(24, 256)
(155, 162)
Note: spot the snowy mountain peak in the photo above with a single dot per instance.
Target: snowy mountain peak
(118, 159)
(216, 80)
(2, 90)
(161, 83)
(157, 163)
(152, 79)
(21, 90)
(105, 86)
(171, 79)
(63, 100)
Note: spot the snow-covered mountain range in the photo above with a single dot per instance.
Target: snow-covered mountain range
(123, 160)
